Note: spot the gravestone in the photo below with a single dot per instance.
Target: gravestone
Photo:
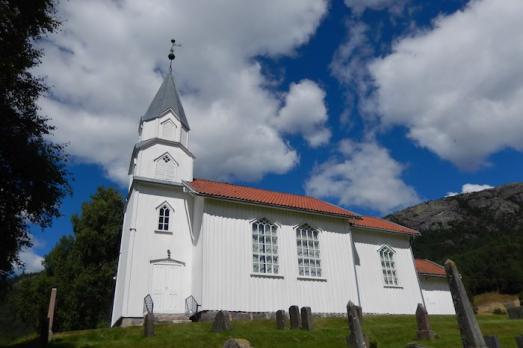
(471, 336)
(148, 325)
(237, 343)
(491, 341)
(306, 318)
(148, 319)
(294, 315)
(222, 322)
(281, 319)
(515, 312)
(519, 341)
(422, 320)
(356, 339)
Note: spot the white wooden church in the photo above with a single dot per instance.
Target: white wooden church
(188, 241)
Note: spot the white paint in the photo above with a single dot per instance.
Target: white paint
(436, 293)
(375, 296)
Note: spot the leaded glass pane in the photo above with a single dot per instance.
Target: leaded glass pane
(308, 248)
(264, 247)
(388, 266)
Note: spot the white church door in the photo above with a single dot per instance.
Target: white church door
(164, 289)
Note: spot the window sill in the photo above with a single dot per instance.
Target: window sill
(318, 279)
(267, 275)
(393, 286)
(163, 232)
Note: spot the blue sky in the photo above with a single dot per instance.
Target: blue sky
(373, 105)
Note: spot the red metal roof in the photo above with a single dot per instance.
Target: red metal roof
(381, 224)
(265, 197)
(428, 267)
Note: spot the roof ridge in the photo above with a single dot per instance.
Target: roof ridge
(261, 189)
(432, 262)
(294, 195)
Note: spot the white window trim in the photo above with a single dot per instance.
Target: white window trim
(322, 268)
(261, 274)
(171, 215)
(385, 285)
(175, 129)
(159, 158)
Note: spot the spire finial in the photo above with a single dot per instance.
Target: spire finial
(171, 53)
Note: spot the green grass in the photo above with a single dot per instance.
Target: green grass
(387, 331)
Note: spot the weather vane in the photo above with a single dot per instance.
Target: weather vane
(171, 53)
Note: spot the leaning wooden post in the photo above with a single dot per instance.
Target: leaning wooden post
(471, 336)
(50, 313)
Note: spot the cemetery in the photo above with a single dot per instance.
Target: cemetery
(300, 327)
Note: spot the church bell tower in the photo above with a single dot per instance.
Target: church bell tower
(156, 246)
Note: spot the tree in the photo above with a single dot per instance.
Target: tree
(81, 266)
(33, 176)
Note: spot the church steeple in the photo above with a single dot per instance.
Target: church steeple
(167, 98)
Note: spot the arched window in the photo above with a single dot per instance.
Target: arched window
(309, 264)
(264, 247)
(164, 215)
(388, 266)
(168, 129)
(165, 167)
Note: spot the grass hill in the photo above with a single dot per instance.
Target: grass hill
(482, 231)
(388, 331)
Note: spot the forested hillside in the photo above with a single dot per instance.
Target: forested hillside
(481, 231)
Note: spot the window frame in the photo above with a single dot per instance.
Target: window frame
(316, 249)
(175, 166)
(169, 230)
(258, 253)
(385, 269)
(174, 129)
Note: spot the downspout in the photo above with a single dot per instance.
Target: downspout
(353, 250)
(415, 271)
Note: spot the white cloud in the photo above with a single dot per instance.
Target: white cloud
(104, 70)
(305, 113)
(468, 188)
(32, 262)
(458, 88)
(365, 176)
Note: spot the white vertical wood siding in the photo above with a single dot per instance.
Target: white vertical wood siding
(436, 293)
(119, 291)
(228, 282)
(150, 245)
(375, 296)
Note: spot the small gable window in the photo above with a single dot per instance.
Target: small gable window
(164, 215)
(309, 264)
(388, 266)
(168, 129)
(165, 167)
(264, 247)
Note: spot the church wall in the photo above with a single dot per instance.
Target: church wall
(375, 296)
(123, 259)
(228, 282)
(150, 245)
(436, 293)
(147, 165)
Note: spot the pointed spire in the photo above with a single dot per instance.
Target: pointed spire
(167, 98)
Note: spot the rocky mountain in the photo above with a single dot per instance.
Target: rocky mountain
(482, 231)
